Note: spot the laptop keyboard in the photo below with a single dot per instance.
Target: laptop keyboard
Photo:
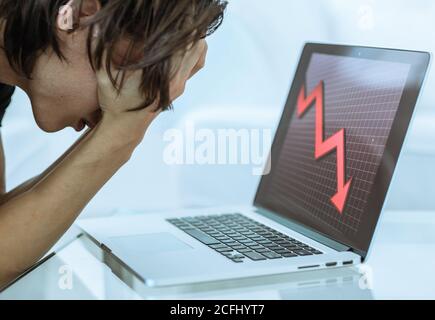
(240, 238)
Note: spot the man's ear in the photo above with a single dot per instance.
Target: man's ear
(75, 12)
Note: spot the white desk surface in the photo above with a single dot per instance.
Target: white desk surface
(401, 266)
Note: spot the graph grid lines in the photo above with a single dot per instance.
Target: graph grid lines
(360, 95)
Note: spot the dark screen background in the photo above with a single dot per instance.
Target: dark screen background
(361, 96)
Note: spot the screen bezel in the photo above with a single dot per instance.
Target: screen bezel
(419, 62)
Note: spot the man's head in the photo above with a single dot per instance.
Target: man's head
(55, 46)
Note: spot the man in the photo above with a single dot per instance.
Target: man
(111, 65)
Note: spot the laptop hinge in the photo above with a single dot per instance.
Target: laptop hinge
(309, 233)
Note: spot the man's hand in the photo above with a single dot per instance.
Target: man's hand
(115, 103)
(186, 66)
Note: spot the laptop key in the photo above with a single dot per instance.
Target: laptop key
(177, 222)
(238, 260)
(221, 238)
(213, 234)
(185, 229)
(248, 242)
(282, 251)
(229, 253)
(254, 256)
(272, 255)
(289, 255)
(242, 251)
(233, 255)
(274, 248)
(228, 241)
(256, 238)
(238, 247)
(232, 234)
(202, 237)
(218, 246)
(303, 253)
(282, 243)
(227, 249)
(238, 238)
(232, 243)
(270, 245)
(256, 247)
(290, 246)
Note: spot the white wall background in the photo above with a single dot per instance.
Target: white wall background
(250, 65)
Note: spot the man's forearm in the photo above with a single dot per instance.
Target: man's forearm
(29, 184)
(32, 222)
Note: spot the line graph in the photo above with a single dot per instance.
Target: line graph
(362, 96)
(323, 147)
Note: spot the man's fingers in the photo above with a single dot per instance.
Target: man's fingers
(201, 62)
(190, 60)
(131, 79)
(187, 65)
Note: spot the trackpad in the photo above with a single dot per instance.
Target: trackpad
(146, 244)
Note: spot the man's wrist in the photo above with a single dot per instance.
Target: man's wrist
(124, 128)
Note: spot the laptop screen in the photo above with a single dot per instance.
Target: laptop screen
(329, 150)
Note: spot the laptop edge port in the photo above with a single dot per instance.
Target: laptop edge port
(331, 264)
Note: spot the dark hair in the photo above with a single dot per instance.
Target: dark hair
(158, 28)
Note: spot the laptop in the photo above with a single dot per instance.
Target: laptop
(332, 161)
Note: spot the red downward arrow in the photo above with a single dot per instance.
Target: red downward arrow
(324, 147)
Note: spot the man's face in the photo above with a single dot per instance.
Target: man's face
(64, 93)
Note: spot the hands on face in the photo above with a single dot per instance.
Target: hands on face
(130, 97)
